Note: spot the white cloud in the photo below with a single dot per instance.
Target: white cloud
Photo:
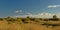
(29, 13)
(53, 6)
(18, 11)
(58, 15)
(46, 15)
(39, 15)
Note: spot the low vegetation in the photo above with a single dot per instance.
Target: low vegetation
(29, 23)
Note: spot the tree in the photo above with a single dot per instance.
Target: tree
(8, 17)
(54, 16)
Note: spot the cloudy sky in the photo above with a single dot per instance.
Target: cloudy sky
(32, 8)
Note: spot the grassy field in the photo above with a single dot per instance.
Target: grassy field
(28, 24)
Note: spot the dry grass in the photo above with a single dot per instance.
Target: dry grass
(32, 25)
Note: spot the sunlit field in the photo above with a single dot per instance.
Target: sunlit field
(29, 14)
(29, 24)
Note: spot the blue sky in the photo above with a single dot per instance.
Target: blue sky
(22, 7)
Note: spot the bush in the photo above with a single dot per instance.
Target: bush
(1, 19)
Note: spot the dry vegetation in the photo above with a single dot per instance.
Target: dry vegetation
(29, 24)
